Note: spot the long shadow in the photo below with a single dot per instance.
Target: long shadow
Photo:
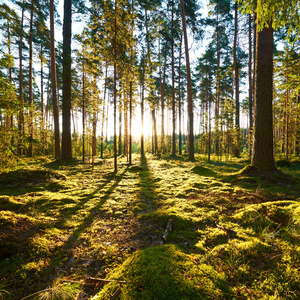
(88, 220)
(147, 183)
(62, 254)
(156, 281)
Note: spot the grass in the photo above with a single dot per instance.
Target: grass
(235, 234)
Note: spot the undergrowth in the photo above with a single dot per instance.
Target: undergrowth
(235, 234)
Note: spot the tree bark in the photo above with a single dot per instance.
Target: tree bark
(103, 112)
(67, 82)
(217, 104)
(120, 126)
(236, 80)
(21, 95)
(163, 108)
(263, 154)
(115, 92)
(83, 113)
(30, 94)
(130, 122)
(179, 98)
(173, 86)
(250, 84)
(54, 84)
(42, 102)
(142, 118)
(189, 86)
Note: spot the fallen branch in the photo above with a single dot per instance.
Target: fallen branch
(115, 295)
(168, 229)
(97, 280)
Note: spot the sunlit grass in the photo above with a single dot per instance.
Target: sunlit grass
(234, 235)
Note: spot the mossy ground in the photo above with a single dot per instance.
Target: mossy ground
(235, 234)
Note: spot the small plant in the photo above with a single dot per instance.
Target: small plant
(3, 291)
(58, 291)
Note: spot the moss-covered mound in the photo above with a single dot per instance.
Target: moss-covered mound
(165, 272)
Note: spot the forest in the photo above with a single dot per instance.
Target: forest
(149, 149)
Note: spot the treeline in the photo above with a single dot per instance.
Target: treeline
(132, 58)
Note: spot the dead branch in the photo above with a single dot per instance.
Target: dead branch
(100, 280)
(115, 295)
(168, 229)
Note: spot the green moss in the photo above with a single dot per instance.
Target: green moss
(234, 235)
(165, 272)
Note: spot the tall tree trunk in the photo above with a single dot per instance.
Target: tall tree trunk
(67, 82)
(163, 107)
(250, 84)
(217, 104)
(115, 92)
(47, 117)
(189, 86)
(42, 103)
(287, 123)
(297, 150)
(30, 94)
(155, 132)
(21, 95)
(173, 86)
(179, 97)
(130, 122)
(130, 86)
(83, 114)
(94, 119)
(106, 120)
(54, 83)
(263, 154)
(11, 121)
(126, 129)
(120, 127)
(103, 112)
(236, 80)
(142, 118)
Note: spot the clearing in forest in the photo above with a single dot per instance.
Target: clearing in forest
(65, 226)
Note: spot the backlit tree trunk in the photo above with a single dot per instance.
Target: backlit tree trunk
(21, 96)
(173, 86)
(236, 80)
(115, 91)
(179, 98)
(250, 83)
(67, 81)
(30, 98)
(189, 86)
(263, 154)
(54, 83)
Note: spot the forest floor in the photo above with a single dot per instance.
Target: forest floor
(234, 236)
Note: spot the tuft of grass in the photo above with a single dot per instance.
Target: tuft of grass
(58, 291)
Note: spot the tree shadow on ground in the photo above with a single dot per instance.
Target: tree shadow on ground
(58, 262)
